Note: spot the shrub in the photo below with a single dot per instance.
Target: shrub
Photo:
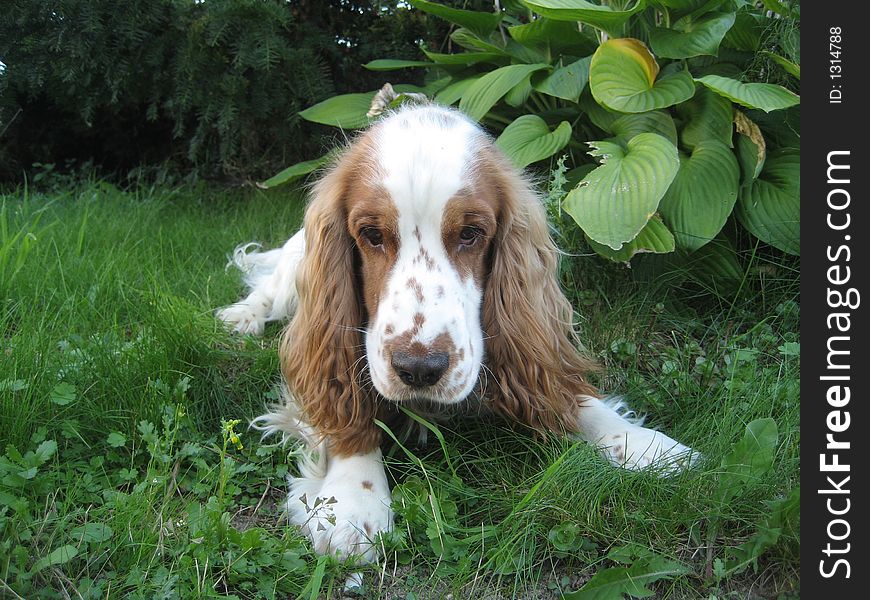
(214, 87)
(685, 136)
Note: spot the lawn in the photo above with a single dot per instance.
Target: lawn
(127, 469)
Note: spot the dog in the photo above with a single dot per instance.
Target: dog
(424, 277)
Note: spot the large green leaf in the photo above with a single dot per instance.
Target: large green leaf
(616, 200)
(518, 94)
(575, 176)
(498, 44)
(702, 195)
(765, 96)
(782, 128)
(746, 32)
(528, 139)
(601, 116)
(623, 74)
(559, 37)
(614, 583)
(296, 171)
(392, 64)
(770, 207)
(654, 237)
(524, 54)
(566, 82)
(625, 127)
(430, 89)
(707, 116)
(409, 88)
(453, 92)
(347, 111)
(489, 89)
(689, 37)
(481, 23)
(466, 58)
(600, 16)
(749, 459)
(471, 41)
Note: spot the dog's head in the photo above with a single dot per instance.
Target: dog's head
(429, 273)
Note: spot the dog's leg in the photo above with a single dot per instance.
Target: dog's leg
(340, 502)
(618, 433)
(271, 280)
(344, 506)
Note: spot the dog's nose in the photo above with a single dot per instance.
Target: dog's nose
(420, 371)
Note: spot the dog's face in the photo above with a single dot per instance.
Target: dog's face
(423, 243)
(423, 223)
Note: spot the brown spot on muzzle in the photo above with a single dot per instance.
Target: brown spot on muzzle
(405, 346)
(426, 258)
(417, 288)
(442, 343)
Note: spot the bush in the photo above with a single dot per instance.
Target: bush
(689, 133)
(214, 87)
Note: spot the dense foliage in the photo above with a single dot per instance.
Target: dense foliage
(213, 86)
(680, 101)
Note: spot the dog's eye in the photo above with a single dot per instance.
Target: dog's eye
(469, 235)
(373, 236)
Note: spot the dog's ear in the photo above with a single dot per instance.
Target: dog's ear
(538, 373)
(322, 354)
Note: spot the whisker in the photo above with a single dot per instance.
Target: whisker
(483, 378)
(361, 358)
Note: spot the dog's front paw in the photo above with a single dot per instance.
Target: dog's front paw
(342, 517)
(639, 448)
(243, 318)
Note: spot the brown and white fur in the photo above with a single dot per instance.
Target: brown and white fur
(424, 275)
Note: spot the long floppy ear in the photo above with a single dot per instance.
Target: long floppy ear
(322, 349)
(528, 322)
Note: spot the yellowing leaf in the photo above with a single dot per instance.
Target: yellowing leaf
(638, 52)
(623, 76)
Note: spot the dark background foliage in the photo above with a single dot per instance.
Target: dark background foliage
(207, 88)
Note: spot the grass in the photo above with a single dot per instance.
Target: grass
(123, 473)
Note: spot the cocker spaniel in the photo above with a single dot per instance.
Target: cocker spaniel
(424, 276)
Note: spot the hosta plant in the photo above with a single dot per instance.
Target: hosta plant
(676, 115)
